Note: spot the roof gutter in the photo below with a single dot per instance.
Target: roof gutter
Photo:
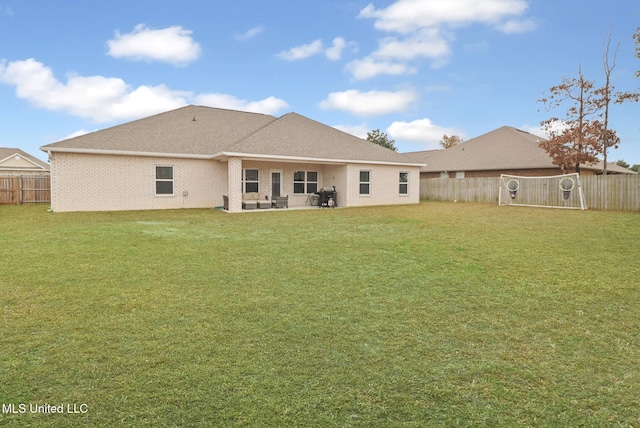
(123, 153)
(304, 159)
(221, 155)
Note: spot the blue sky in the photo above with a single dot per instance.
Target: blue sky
(415, 69)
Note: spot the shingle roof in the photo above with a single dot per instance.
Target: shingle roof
(300, 137)
(7, 152)
(208, 132)
(190, 130)
(501, 149)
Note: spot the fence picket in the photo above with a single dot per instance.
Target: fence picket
(612, 192)
(22, 189)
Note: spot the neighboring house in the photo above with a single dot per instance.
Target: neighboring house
(17, 162)
(193, 156)
(505, 150)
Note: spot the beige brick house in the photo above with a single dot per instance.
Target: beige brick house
(18, 162)
(194, 156)
(505, 150)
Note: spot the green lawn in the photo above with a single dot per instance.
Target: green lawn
(436, 314)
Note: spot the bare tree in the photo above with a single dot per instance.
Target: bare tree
(636, 37)
(631, 96)
(609, 138)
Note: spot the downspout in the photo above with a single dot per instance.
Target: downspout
(51, 175)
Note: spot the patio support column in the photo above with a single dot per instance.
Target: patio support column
(235, 184)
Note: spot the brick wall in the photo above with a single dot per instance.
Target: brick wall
(384, 185)
(82, 182)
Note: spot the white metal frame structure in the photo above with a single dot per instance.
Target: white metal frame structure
(554, 191)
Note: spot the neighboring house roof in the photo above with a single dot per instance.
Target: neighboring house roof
(205, 132)
(16, 160)
(505, 148)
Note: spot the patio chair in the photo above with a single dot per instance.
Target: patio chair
(263, 203)
(280, 201)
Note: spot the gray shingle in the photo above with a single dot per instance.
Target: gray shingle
(206, 131)
(505, 148)
(175, 131)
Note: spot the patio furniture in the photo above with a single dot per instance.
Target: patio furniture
(280, 201)
(250, 200)
(263, 203)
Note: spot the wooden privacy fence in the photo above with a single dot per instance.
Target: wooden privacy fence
(22, 189)
(612, 192)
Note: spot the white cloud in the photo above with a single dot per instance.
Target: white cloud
(428, 43)
(370, 103)
(334, 53)
(426, 28)
(270, 105)
(362, 69)
(173, 45)
(77, 134)
(250, 33)
(515, 26)
(557, 126)
(359, 131)
(302, 51)
(420, 131)
(405, 16)
(535, 130)
(108, 99)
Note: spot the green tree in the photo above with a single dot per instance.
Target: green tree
(381, 139)
(624, 164)
(449, 141)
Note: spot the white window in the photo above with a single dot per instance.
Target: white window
(250, 180)
(365, 182)
(404, 183)
(305, 182)
(164, 180)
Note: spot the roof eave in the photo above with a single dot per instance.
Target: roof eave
(306, 159)
(223, 155)
(124, 153)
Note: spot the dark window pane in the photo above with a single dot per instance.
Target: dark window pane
(404, 189)
(404, 177)
(164, 172)
(164, 187)
(312, 176)
(298, 187)
(312, 187)
(298, 176)
(251, 175)
(364, 188)
(364, 176)
(251, 187)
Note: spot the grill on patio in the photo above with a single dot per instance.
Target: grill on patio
(327, 197)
